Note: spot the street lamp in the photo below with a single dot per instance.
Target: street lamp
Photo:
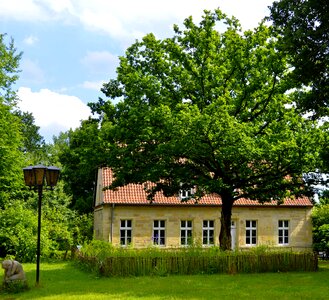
(36, 177)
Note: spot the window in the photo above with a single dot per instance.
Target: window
(159, 233)
(185, 233)
(251, 232)
(208, 232)
(283, 232)
(185, 194)
(125, 232)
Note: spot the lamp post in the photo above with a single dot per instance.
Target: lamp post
(36, 177)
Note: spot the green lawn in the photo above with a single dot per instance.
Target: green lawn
(62, 280)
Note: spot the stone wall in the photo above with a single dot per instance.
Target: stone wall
(107, 223)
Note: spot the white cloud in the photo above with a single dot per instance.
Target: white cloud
(27, 10)
(100, 62)
(30, 40)
(130, 18)
(53, 112)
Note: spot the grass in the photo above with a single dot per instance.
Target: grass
(63, 280)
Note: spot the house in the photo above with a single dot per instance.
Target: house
(125, 217)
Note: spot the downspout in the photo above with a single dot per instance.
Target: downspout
(112, 216)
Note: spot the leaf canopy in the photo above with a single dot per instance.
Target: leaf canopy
(208, 108)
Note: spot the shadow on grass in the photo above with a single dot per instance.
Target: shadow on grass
(64, 280)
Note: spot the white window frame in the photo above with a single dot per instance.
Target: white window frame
(186, 193)
(125, 240)
(159, 233)
(186, 232)
(283, 232)
(251, 232)
(208, 232)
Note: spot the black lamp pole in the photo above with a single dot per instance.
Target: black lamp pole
(39, 233)
(36, 176)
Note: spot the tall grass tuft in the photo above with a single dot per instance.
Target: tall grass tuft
(107, 260)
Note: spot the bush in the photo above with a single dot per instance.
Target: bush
(103, 258)
(14, 287)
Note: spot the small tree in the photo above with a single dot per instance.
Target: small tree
(209, 110)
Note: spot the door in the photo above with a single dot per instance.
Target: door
(233, 234)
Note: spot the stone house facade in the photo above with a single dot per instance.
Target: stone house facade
(125, 217)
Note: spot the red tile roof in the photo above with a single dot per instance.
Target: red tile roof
(134, 194)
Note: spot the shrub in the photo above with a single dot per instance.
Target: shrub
(107, 260)
(14, 287)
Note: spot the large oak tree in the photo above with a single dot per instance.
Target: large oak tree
(208, 108)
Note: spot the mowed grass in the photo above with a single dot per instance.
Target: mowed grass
(63, 280)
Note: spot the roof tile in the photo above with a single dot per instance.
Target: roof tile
(135, 194)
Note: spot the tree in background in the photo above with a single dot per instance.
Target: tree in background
(22, 145)
(320, 218)
(80, 155)
(34, 146)
(11, 159)
(208, 110)
(304, 27)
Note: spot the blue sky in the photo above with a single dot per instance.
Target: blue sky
(71, 47)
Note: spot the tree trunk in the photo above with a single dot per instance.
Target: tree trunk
(225, 222)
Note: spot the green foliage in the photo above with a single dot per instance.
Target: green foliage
(208, 109)
(80, 156)
(107, 260)
(9, 63)
(10, 126)
(304, 27)
(61, 230)
(22, 145)
(14, 287)
(18, 229)
(34, 147)
(320, 217)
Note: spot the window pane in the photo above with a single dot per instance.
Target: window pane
(189, 223)
(128, 223)
(162, 223)
(156, 223)
(211, 223)
(247, 223)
